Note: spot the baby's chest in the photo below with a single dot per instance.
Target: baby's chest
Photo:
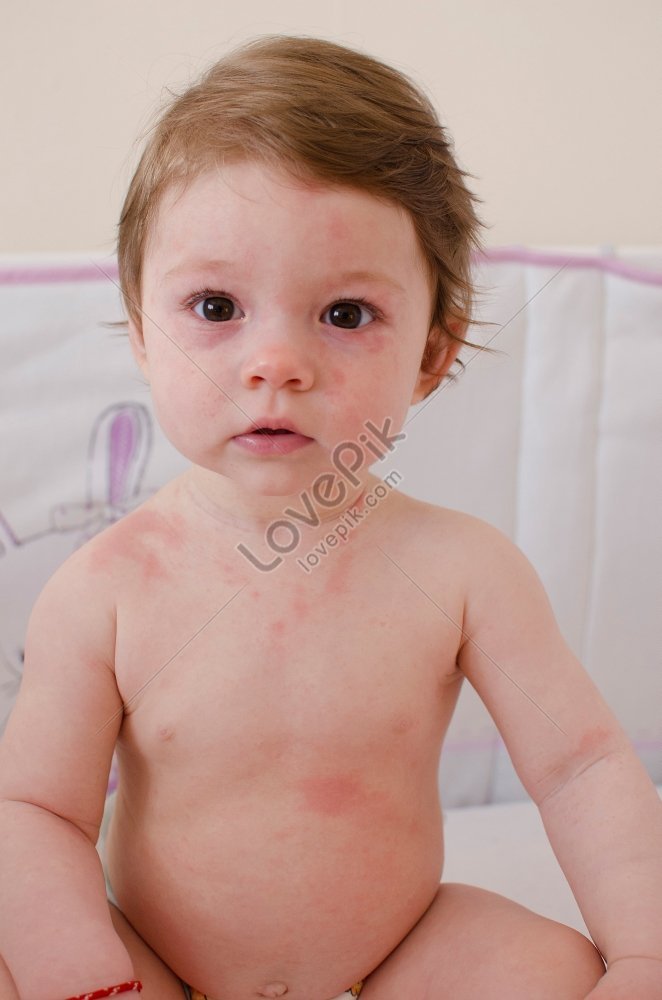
(252, 668)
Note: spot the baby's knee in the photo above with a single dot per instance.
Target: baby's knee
(588, 960)
(533, 955)
(571, 957)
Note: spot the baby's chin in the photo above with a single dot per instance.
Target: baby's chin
(320, 486)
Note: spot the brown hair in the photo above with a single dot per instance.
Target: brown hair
(323, 112)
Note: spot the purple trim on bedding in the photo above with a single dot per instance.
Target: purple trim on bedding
(647, 744)
(35, 274)
(38, 274)
(543, 258)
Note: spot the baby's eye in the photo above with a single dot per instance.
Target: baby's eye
(347, 315)
(216, 308)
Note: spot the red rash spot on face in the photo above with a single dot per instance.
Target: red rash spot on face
(277, 628)
(331, 796)
(337, 229)
(374, 344)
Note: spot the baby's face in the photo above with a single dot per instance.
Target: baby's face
(251, 288)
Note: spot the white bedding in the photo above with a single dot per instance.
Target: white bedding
(504, 847)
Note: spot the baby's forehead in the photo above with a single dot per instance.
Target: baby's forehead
(251, 181)
(252, 209)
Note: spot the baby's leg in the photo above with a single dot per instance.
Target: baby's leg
(159, 981)
(473, 943)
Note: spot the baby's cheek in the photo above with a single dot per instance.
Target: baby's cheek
(208, 402)
(352, 406)
(185, 402)
(337, 379)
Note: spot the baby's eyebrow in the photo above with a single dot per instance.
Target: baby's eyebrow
(373, 276)
(197, 265)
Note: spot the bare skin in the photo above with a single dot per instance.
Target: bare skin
(320, 751)
(277, 829)
(319, 848)
(469, 943)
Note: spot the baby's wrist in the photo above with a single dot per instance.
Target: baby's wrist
(110, 991)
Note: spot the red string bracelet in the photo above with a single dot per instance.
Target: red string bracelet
(110, 991)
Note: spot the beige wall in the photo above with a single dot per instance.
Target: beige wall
(555, 107)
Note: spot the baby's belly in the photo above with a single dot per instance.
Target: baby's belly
(311, 888)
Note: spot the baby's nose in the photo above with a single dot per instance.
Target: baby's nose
(279, 357)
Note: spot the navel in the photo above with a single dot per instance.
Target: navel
(273, 990)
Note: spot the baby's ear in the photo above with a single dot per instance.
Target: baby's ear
(448, 351)
(137, 343)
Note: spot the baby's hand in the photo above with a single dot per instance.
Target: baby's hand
(630, 978)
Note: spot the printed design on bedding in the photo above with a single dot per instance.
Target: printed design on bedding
(120, 444)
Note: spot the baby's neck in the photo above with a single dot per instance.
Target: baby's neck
(255, 514)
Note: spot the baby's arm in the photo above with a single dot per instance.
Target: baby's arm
(56, 934)
(599, 807)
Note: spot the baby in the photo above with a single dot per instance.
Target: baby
(294, 256)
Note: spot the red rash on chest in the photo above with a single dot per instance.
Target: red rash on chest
(277, 629)
(331, 796)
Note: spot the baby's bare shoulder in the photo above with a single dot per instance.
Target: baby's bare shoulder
(81, 592)
(447, 529)
(446, 551)
(129, 543)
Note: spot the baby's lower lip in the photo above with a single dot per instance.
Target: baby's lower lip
(272, 444)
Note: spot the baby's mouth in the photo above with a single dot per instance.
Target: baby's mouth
(255, 437)
(255, 440)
